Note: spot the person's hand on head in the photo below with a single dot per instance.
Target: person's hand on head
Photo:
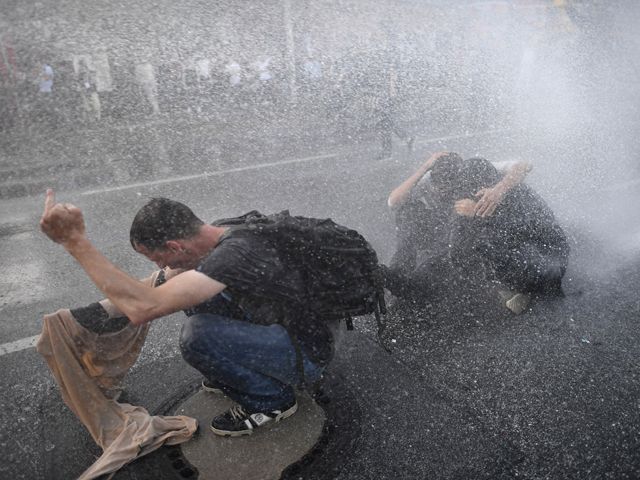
(491, 198)
(429, 163)
(466, 207)
(61, 223)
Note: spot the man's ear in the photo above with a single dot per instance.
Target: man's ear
(174, 246)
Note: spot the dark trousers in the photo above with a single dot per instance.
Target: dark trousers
(419, 230)
(421, 264)
(527, 269)
(524, 267)
(389, 125)
(255, 365)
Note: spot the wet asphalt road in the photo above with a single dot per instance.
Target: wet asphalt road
(467, 391)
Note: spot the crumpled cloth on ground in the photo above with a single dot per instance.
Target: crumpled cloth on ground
(90, 370)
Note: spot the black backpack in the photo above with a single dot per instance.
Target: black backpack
(343, 276)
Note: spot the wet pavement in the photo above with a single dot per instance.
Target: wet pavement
(261, 455)
(455, 389)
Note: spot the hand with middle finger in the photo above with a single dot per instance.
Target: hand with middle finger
(61, 223)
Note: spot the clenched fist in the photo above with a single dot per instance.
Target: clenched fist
(61, 223)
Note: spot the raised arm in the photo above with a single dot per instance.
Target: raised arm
(491, 197)
(141, 303)
(399, 196)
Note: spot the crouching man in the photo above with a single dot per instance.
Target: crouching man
(235, 291)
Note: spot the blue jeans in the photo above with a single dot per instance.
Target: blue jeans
(254, 365)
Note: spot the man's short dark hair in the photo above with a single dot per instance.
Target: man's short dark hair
(445, 168)
(161, 220)
(444, 173)
(476, 174)
(460, 179)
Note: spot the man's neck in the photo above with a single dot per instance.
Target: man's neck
(200, 246)
(210, 236)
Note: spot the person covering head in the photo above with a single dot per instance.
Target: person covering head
(456, 179)
(161, 220)
(444, 172)
(476, 216)
(475, 174)
(445, 168)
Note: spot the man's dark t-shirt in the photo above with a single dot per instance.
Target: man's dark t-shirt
(269, 291)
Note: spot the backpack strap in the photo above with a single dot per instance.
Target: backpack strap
(349, 322)
(241, 220)
(381, 326)
(380, 306)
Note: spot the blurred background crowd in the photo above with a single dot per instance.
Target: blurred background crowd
(471, 63)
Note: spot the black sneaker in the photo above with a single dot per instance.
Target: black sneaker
(236, 422)
(211, 386)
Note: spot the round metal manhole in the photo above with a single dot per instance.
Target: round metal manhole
(339, 437)
(332, 450)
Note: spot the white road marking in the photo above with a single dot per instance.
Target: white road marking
(18, 345)
(211, 174)
(453, 137)
(263, 165)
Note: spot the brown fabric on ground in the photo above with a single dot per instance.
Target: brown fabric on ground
(90, 371)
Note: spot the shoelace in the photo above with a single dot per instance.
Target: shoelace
(238, 413)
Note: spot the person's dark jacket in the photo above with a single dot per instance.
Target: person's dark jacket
(522, 240)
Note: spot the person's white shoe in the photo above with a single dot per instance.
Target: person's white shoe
(518, 303)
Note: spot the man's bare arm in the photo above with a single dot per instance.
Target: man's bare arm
(399, 196)
(141, 303)
(491, 197)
